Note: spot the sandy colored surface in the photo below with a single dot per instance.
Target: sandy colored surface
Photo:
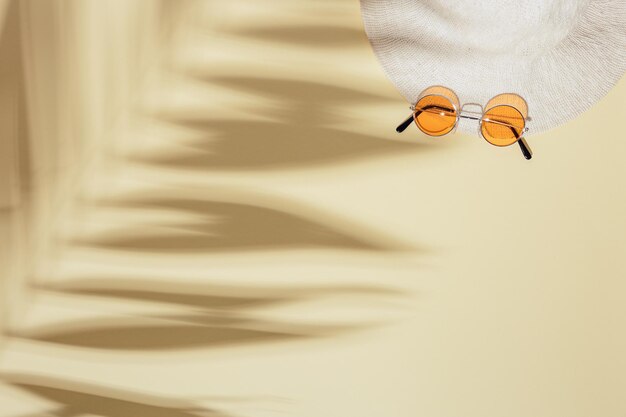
(261, 242)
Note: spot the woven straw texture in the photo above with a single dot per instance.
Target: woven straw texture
(562, 56)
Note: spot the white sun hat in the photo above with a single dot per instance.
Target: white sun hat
(562, 56)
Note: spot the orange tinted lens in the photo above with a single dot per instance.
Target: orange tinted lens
(435, 115)
(509, 99)
(502, 125)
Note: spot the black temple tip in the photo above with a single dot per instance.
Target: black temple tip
(526, 151)
(403, 126)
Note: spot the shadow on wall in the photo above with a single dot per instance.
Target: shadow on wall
(302, 126)
(19, 202)
(210, 316)
(324, 36)
(298, 131)
(216, 226)
(75, 400)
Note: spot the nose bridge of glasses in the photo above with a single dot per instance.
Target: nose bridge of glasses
(474, 113)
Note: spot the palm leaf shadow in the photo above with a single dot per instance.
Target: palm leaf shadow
(324, 36)
(75, 402)
(234, 226)
(301, 131)
(217, 318)
(301, 134)
(136, 335)
(316, 96)
(210, 298)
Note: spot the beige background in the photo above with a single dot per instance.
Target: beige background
(245, 232)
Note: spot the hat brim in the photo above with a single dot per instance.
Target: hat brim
(559, 82)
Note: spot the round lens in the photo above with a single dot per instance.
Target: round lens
(435, 115)
(502, 125)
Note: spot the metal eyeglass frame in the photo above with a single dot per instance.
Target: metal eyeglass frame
(470, 115)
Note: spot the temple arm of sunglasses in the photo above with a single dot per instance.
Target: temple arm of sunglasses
(402, 127)
(528, 153)
(523, 145)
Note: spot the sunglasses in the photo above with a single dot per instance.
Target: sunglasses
(502, 121)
